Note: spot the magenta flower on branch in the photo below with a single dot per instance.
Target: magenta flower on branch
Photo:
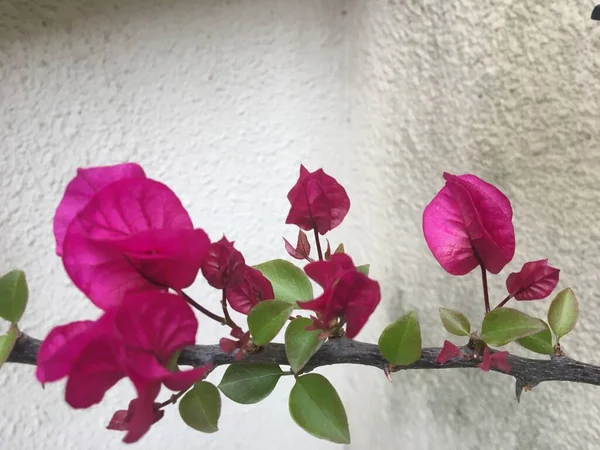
(496, 359)
(348, 295)
(535, 281)
(469, 223)
(302, 249)
(132, 235)
(224, 266)
(83, 188)
(449, 351)
(135, 339)
(317, 201)
(253, 288)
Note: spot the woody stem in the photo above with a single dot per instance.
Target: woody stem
(318, 243)
(202, 309)
(503, 302)
(172, 400)
(228, 320)
(486, 295)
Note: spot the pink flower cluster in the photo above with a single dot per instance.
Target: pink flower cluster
(130, 246)
(468, 224)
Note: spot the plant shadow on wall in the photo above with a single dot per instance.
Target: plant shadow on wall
(129, 245)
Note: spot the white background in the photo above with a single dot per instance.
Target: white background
(222, 100)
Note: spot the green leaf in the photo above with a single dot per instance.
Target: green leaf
(267, 318)
(13, 295)
(300, 344)
(455, 322)
(563, 312)
(539, 342)
(7, 342)
(290, 283)
(339, 249)
(317, 408)
(249, 383)
(400, 342)
(364, 269)
(200, 407)
(504, 325)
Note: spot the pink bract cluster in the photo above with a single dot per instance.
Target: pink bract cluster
(130, 246)
(468, 224)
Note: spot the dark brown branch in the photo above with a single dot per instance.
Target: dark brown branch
(528, 372)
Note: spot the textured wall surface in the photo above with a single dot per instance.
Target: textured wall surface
(222, 100)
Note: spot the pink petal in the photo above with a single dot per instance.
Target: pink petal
(143, 416)
(449, 351)
(157, 323)
(228, 345)
(326, 272)
(119, 421)
(536, 280)
(469, 221)
(126, 216)
(95, 371)
(60, 349)
(302, 249)
(224, 266)
(317, 201)
(82, 188)
(487, 360)
(499, 361)
(254, 288)
(356, 296)
(179, 381)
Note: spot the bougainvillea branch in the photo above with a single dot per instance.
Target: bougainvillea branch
(130, 246)
(528, 372)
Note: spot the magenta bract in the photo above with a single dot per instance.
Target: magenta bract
(254, 288)
(347, 293)
(224, 266)
(317, 201)
(81, 189)
(469, 223)
(449, 351)
(536, 280)
(134, 235)
(135, 339)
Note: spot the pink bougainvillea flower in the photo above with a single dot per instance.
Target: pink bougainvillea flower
(449, 351)
(134, 235)
(121, 419)
(135, 339)
(469, 223)
(536, 280)
(82, 189)
(224, 266)
(236, 346)
(317, 201)
(302, 249)
(496, 359)
(254, 288)
(348, 294)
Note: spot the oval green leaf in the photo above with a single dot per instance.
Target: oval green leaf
(300, 344)
(504, 325)
(455, 322)
(563, 312)
(7, 342)
(400, 342)
(317, 408)
(249, 383)
(364, 269)
(539, 342)
(290, 283)
(200, 407)
(13, 295)
(267, 318)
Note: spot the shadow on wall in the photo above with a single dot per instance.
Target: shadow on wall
(505, 90)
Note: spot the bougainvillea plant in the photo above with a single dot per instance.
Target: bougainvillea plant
(129, 245)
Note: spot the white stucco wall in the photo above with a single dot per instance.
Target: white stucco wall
(222, 100)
